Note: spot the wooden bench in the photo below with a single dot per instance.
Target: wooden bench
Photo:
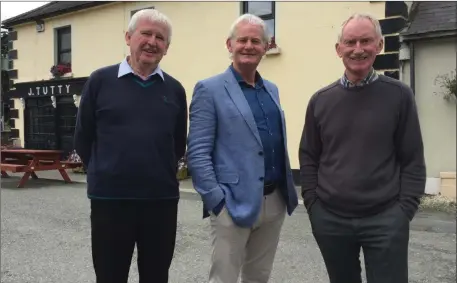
(71, 164)
(30, 161)
(14, 168)
(64, 164)
(17, 168)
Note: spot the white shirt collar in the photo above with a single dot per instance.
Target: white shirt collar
(124, 69)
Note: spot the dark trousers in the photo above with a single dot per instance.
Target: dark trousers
(117, 225)
(383, 237)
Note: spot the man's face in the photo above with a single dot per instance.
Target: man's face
(359, 46)
(148, 43)
(247, 46)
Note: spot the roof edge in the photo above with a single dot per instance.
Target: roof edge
(24, 18)
(25, 13)
(429, 35)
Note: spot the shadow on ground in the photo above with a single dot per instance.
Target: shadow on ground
(41, 183)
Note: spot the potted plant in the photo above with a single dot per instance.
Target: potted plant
(74, 157)
(182, 169)
(449, 85)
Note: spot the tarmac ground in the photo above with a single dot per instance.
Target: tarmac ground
(46, 238)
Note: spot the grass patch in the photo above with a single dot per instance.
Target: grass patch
(438, 203)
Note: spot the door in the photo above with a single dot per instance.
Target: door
(40, 124)
(47, 127)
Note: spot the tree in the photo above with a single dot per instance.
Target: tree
(5, 49)
(5, 39)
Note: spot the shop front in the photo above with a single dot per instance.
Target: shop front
(49, 112)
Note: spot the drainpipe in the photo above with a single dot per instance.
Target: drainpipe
(412, 68)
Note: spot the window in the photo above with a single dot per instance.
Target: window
(64, 45)
(265, 10)
(134, 11)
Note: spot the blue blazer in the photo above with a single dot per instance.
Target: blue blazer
(223, 149)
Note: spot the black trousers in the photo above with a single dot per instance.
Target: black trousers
(383, 237)
(117, 225)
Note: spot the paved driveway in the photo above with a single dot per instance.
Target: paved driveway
(46, 238)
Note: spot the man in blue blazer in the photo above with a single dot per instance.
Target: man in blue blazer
(238, 159)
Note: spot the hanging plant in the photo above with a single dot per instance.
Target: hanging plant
(59, 70)
(448, 83)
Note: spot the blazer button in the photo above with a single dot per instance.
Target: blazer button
(261, 179)
(260, 153)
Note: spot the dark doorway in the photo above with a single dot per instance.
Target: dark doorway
(40, 124)
(47, 127)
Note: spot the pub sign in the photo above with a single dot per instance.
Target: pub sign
(59, 87)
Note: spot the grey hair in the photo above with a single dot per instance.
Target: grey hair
(358, 16)
(151, 15)
(251, 19)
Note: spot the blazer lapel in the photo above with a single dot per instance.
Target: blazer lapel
(241, 103)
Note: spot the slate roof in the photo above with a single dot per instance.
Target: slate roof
(431, 17)
(51, 9)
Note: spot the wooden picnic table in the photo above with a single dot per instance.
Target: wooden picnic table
(30, 161)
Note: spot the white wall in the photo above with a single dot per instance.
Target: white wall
(437, 116)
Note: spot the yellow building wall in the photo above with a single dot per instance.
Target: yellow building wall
(306, 33)
(96, 40)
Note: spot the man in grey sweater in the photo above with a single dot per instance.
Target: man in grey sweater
(362, 163)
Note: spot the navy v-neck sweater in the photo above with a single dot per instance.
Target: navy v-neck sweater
(130, 134)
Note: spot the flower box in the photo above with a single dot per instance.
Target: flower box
(60, 70)
(448, 185)
(273, 48)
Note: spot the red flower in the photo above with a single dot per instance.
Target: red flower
(272, 43)
(60, 69)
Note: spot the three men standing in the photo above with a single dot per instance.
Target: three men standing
(361, 159)
(362, 163)
(237, 155)
(131, 132)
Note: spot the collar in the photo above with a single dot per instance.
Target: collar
(125, 69)
(258, 78)
(371, 77)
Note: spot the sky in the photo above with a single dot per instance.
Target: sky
(10, 9)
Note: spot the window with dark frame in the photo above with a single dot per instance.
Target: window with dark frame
(64, 45)
(264, 10)
(134, 11)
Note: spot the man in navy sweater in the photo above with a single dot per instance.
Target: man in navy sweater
(362, 163)
(130, 133)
